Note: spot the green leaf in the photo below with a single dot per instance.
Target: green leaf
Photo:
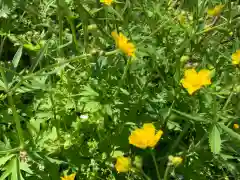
(230, 131)
(12, 168)
(117, 153)
(192, 117)
(124, 91)
(16, 175)
(17, 57)
(2, 85)
(88, 91)
(5, 159)
(25, 167)
(39, 57)
(215, 140)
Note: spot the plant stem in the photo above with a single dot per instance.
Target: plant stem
(177, 141)
(156, 166)
(144, 175)
(60, 21)
(17, 120)
(123, 77)
(14, 111)
(166, 172)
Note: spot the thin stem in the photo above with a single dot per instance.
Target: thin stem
(123, 77)
(156, 166)
(228, 100)
(166, 172)
(17, 120)
(175, 144)
(144, 174)
(14, 111)
(57, 123)
(74, 36)
(60, 21)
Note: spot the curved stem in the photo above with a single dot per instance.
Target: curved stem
(123, 77)
(156, 166)
(144, 175)
(166, 172)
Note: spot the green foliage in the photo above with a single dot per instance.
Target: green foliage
(70, 98)
(215, 140)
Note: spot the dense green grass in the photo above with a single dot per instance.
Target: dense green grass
(70, 97)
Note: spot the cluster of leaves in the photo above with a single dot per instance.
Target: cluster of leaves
(69, 100)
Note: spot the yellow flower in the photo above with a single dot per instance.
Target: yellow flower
(216, 11)
(175, 160)
(236, 126)
(107, 2)
(70, 177)
(195, 80)
(145, 137)
(123, 164)
(236, 57)
(123, 44)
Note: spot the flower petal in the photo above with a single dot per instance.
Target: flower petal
(191, 88)
(205, 75)
(123, 164)
(115, 35)
(190, 72)
(149, 129)
(156, 138)
(236, 57)
(137, 139)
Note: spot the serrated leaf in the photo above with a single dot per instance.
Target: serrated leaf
(88, 91)
(5, 159)
(230, 131)
(2, 85)
(4, 11)
(17, 57)
(25, 167)
(192, 117)
(11, 168)
(215, 140)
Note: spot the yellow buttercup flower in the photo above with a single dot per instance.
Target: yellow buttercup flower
(123, 164)
(70, 177)
(216, 11)
(236, 126)
(175, 160)
(236, 57)
(123, 44)
(107, 2)
(145, 137)
(193, 80)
